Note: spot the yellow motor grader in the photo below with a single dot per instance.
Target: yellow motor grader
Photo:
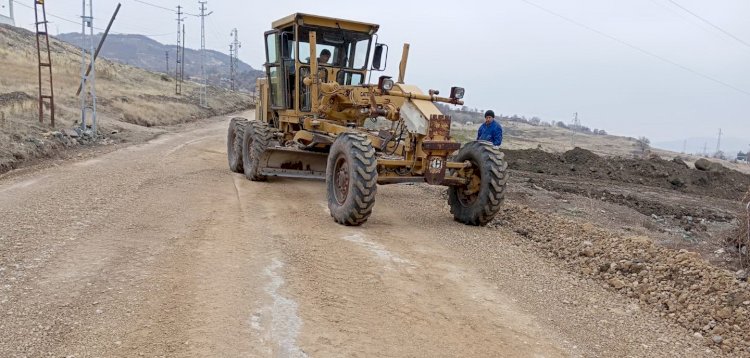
(315, 118)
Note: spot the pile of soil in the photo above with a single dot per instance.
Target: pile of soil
(654, 172)
(678, 285)
(640, 203)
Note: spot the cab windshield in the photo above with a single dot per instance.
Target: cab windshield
(338, 48)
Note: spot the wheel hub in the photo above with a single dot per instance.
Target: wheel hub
(341, 180)
(468, 194)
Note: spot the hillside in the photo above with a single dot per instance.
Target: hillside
(143, 52)
(729, 145)
(131, 101)
(522, 133)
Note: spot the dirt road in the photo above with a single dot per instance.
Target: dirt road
(158, 250)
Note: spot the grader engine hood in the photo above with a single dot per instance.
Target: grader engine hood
(416, 112)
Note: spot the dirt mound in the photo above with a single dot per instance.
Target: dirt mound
(581, 156)
(654, 172)
(641, 203)
(680, 286)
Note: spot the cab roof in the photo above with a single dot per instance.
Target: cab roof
(322, 21)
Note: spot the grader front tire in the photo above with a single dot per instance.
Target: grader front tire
(478, 203)
(234, 143)
(351, 179)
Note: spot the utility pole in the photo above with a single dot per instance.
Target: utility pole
(203, 92)
(576, 122)
(705, 149)
(178, 75)
(718, 142)
(234, 59)
(231, 66)
(88, 79)
(684, 146)
(182, 59)
(166, 53)
(576, 126)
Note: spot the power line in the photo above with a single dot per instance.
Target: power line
(725, 32)
(96, 28)
(48, 14)
(685, 17)
(162, 7)
(634, 47)
(154, 5)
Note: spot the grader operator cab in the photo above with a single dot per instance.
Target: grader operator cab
(311, 121)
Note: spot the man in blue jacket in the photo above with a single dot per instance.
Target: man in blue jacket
(490, 130)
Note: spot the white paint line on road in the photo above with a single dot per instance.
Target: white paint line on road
(379, 250)
(285, 323)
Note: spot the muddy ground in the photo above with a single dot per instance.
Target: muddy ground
(679, 206)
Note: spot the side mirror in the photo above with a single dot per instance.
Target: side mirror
(378, 62)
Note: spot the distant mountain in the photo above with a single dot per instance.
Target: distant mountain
(146, 53)
(730, 146)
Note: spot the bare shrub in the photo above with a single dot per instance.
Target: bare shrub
(136, 119)
(744, 232)
(740, 236)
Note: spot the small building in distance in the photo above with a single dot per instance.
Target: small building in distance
(742, 157)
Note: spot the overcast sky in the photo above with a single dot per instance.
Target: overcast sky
(517, 58)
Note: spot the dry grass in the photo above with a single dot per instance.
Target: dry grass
(125, 95)
(739, 237)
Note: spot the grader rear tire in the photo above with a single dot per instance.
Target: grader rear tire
(351, 179)
(234, 143)
(254, 142)
(478, 203)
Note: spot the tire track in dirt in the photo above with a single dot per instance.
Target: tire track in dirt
(361, 298)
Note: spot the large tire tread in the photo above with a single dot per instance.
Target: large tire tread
(256, 138)
(492, 188)
(234, 143)
(360, 200)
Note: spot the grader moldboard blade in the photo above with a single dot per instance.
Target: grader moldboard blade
(293, 163)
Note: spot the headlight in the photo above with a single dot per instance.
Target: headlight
(457, 92)
(388, 84)
(385, 83)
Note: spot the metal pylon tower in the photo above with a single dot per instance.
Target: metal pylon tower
(204, 80)
(182, 64)
(178, 74)
(46, 94)
(88, 82)
(718, 142)
(231, 66)
(234, 49)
